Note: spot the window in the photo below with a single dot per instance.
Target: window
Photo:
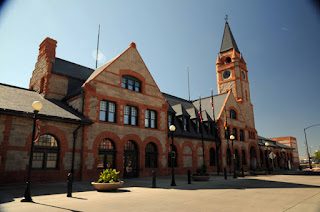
(131, 115)
(244, 160)
(151, 156)
(212, 157)
(233, 114)
(170, 120)
(175, 160)
(131, 83)
(150, 119)
(107, 111)
(185, 123)
(234, 133)
(198, 126)
(106, 155)
(241, 135)
(46, 152)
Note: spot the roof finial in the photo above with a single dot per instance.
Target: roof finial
(226, 18)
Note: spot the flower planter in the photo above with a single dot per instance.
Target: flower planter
(245, 173)
(107, 186)
(258, 172)
(200, 177)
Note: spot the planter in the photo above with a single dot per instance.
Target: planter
(258, 172)
(200, 177)
(107, 186)
(245, 173)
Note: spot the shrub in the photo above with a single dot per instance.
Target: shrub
(202, 171)
(109, 176)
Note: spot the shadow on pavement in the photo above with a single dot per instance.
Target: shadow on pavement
(61, 208)
(9, 192)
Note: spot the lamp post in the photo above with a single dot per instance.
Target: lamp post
(172, 128)
(234, 157)
(27, 195)
(283, 153)
(267, 156)
(305, 135)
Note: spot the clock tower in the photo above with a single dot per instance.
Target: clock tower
(232, 73)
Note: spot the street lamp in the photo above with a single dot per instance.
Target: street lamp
(27, 195)
(172, 128)
(267, 156)
(305, 135)
(283, 151)
(234, 157)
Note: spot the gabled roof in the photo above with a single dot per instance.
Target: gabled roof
(100, 69)
(228, 41)
(180, 110)
(218, 101)
(16, 100)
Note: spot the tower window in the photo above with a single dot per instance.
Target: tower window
(233, 114)
(228, 60)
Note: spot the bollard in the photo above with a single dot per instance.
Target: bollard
(242, 172)
(69, 193)
(189, 176)
(153, 179)
(225, 173)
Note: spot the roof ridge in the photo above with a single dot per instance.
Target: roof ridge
(209, 96)
(13, 86)
(74, 63)
(176, 97)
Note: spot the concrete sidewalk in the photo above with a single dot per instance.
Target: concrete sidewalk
(254, 193)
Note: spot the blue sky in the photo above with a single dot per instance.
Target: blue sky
(279, 41)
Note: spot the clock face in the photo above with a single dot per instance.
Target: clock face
(243, 75)
(226, 74)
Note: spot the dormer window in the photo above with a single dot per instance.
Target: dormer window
(131, 83)
(233, 114)
(185, 124)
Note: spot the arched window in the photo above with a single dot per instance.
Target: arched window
(175, 160)
(106, 156)
(244, 158)
(228, 60)
(233, 114)
(228, 157)
(212, 157)
(151, 158)
(131, 83)
(46, 153)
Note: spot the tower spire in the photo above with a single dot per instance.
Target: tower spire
(228, 41)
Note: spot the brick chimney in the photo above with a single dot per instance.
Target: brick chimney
(48, 48)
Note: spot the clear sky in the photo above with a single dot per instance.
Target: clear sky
(279, 41)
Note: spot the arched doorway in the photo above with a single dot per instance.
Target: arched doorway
(130, 159)
(278, 159)
(253, 158)
(228, 158)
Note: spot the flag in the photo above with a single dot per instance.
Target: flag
(211, 101)
(37, 130)
(225, 120)
(200, 111)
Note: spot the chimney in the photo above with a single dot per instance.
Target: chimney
(48, 49)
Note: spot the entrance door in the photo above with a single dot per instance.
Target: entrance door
(130, 160)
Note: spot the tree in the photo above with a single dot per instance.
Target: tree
(317, 155)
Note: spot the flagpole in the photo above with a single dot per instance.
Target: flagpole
(216, 134)
(200, 113)
(188, 82)
(98, 47)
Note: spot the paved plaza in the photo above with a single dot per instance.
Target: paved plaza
(252, 193)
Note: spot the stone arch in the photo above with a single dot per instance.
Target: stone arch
(159, 149)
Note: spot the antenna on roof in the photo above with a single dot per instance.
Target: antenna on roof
(188, 82)
(226, 18)
(98, 47)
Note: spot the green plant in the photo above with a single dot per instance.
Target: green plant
(109, 176)
(202, 171)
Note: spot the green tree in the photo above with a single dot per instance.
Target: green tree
(317, 155)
